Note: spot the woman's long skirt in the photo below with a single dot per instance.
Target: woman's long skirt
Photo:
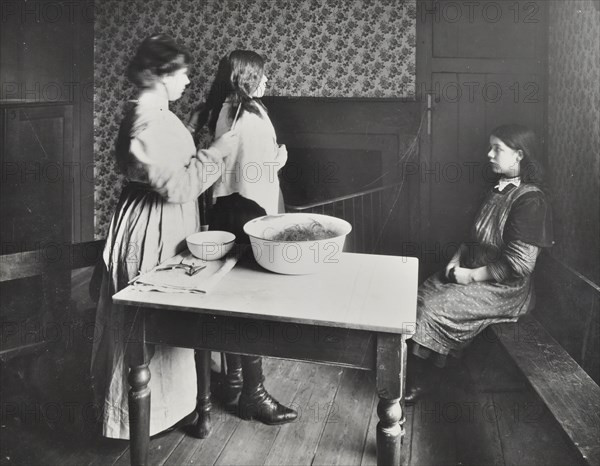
(144, 232)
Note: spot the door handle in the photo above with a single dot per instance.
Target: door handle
(429, 110)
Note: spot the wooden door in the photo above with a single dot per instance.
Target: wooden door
(47, 55)
(37, 173)
(35, 212)
(479, 65)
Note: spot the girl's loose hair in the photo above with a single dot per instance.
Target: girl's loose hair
(238, 75)
(157, 56)
(247, 69)
(519, 137)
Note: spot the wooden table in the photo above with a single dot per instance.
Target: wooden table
(356, 313)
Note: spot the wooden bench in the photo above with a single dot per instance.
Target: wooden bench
(570, 394)
(42, 275)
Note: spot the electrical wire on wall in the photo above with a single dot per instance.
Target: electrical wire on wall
(404, 158)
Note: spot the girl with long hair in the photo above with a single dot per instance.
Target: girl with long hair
(489, 278)
(248, 188)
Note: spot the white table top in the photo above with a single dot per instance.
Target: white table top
(362, 291)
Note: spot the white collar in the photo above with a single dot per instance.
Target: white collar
(504, 182)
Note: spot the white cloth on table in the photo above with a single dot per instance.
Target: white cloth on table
(177, 280)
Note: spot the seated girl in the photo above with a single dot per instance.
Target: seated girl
(489, 278)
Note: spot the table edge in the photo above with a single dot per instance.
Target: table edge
(408, 329)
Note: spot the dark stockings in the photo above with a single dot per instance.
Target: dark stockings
(422, 378)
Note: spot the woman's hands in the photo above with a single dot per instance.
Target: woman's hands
(219, 149)
(207, 157)
(282, 155)
(226, 144)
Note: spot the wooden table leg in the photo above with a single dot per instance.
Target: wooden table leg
(139, 355)
(203, 425)
(391, 370)
(139, 414)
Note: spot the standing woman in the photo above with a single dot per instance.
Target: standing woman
(248, 188)
(156, 211)
(489, 278)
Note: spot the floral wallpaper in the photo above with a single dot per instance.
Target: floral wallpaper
(331, 48)
(574, 132)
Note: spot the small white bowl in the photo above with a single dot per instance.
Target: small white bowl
(296, 257)
(210, 245)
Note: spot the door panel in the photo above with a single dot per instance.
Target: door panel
(36, 178)
(486, 30)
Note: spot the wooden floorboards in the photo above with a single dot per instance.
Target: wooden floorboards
(336, 426)
(481, 413)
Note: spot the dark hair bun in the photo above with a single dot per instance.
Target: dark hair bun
(158, 55)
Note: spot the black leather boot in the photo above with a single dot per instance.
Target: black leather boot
(203, 424)
(255, 402)
(422, 378)
(229, 391)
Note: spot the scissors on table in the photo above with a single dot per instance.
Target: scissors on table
(190, 269)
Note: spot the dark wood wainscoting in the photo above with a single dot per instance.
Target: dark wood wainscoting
(340, 149)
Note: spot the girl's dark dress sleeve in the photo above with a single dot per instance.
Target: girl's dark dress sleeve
(527, 230)
(530, 221)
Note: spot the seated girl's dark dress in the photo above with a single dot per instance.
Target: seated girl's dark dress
(511, 228)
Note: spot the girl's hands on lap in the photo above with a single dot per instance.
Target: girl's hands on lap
(462, 275)
(452, 264)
